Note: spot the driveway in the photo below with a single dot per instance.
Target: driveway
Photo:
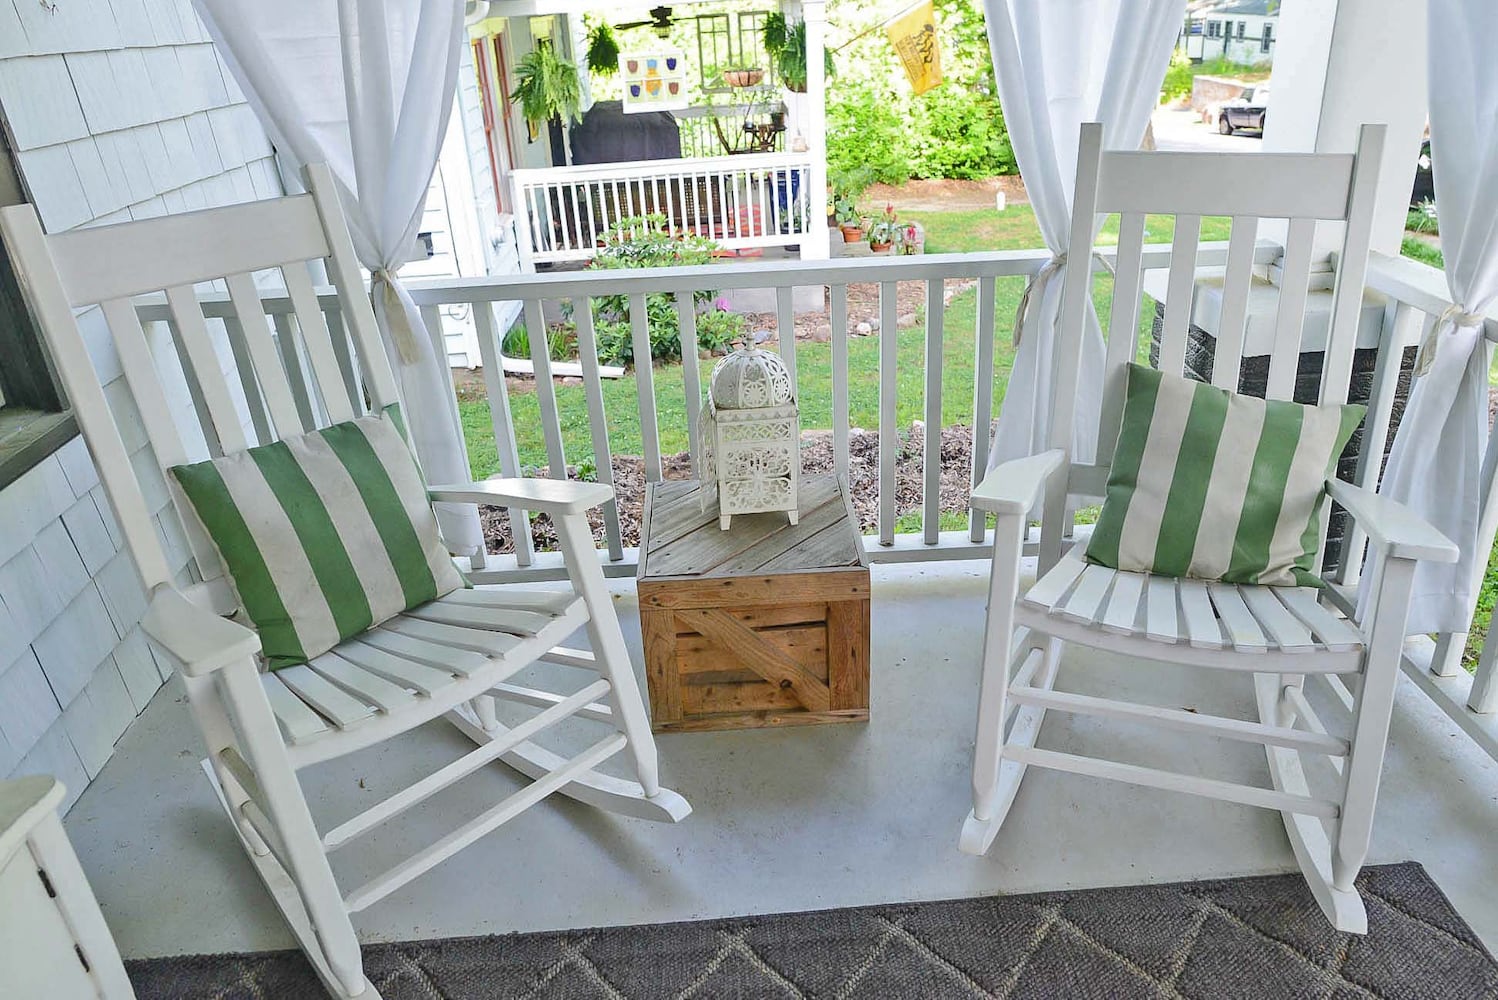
(1182, 129)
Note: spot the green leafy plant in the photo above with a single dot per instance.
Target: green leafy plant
(603, 51)
(1422, 218)
(786, 46)
(546, 86)
(646, 241)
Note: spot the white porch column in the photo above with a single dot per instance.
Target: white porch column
(817, 245)
(1338, 65)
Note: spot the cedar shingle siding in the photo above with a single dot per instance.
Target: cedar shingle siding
(115, 110)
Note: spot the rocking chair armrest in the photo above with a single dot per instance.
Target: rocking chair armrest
(1013, 487)
(201, 640)
(1391, 526)
(550, 496)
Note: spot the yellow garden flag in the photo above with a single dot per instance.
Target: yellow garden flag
(913, 34)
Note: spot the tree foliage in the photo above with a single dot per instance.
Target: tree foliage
(876, 127)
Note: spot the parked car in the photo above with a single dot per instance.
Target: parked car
(1247, 111)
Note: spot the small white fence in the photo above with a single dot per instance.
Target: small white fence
(743, 202)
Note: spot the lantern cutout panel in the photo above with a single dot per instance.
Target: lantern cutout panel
(751, 434)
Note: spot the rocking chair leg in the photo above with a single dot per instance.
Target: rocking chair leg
(1370, 728)
(306, 862)
(989, 805)
(609, 648)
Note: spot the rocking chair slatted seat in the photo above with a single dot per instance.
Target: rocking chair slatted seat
(455, 656)
(1278, 634)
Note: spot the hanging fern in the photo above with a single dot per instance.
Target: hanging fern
(546, 86)
(790, 60)
(774, 33)
(603, 51)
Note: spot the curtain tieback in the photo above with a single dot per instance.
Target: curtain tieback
(397, 307)
(1035, 288)
(1458, 317)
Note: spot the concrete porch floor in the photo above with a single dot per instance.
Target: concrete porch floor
(794, 819)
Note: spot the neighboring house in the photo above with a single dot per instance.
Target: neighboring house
(1242, 31)
(110, 112)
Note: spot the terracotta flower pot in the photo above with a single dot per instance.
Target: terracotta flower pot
(743, 77)
(879, 247)
(852, 234)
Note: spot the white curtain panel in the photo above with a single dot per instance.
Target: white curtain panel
(367, 87)
(1060, 63)
(1435, 465)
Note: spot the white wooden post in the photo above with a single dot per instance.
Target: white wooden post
(817, 244)
(1337, 66)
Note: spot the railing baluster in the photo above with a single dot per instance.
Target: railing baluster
(502, 420)
(1401, 327)
(598, 425)
(639, 322)
(546, 390)
(578, 240)
(983, 336)
(691, 383)
(291, 358)
(888, 433)
(785, 330)
(931, 463)
(838, 314)
(333, 316)
(591, 236)
(246, 368)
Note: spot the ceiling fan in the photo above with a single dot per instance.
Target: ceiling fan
(660, 22)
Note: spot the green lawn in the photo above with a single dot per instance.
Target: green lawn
(947, 232)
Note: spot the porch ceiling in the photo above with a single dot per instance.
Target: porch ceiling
(784, 819)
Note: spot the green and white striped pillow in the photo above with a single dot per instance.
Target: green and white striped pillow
(1215, 485)
(323, 534)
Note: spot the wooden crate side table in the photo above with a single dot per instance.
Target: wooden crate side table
(765, 624)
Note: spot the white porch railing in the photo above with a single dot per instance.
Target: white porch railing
(1416, 293)
(743, 202)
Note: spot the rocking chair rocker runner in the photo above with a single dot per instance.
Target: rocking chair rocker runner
(453, 656)
(1280, 635)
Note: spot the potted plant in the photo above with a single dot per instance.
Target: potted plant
(546, 87)
(849, 219)
(746, 76)
(884, 233)
(785, 43)
(603, 51)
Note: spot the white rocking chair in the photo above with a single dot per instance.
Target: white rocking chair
(1278, 634)
(451, 657)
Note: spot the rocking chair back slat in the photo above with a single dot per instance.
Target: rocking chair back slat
(1227, 359)
(1295, 280)
(1127, 277)
(318, 344)
(265, 365)
(1178, 298)
(1304, 185)
(223, 429)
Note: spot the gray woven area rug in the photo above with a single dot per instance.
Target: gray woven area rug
(1250, 937)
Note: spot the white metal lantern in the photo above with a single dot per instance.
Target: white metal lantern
(751, 433)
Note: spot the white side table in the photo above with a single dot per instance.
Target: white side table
(53, 940)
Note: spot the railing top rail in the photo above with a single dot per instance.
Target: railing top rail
(1416, 284)
(531, 176)
(776, 274)
(755, 274)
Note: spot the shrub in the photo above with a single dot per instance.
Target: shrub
(643, 241)
(866, 136)
(1177, 78)
(959, 133)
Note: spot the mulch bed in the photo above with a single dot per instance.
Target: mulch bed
(816, 457)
